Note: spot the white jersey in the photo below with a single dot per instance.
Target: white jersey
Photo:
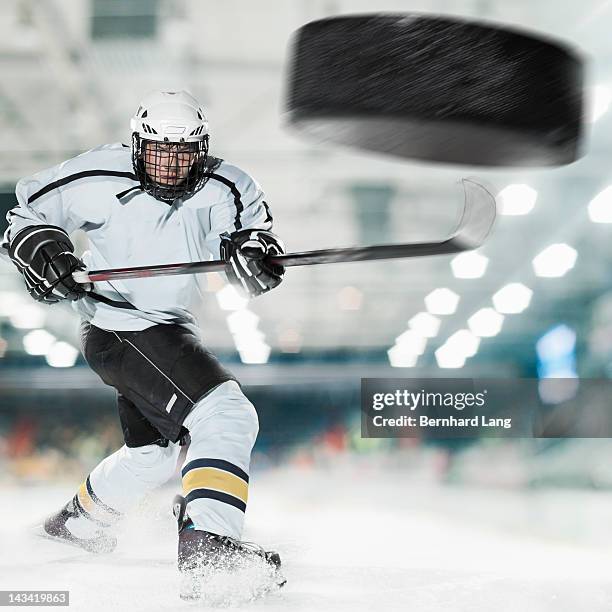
(98, 192)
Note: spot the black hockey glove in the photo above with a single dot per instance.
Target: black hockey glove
(246, 251)
(44, 255)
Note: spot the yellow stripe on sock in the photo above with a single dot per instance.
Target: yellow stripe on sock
(213, 478)
(84, 498)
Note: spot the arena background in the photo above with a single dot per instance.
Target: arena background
(430, 525)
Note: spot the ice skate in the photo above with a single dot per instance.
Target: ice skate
(201, 555)
(55, 528)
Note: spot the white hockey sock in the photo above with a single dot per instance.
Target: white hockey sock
(118, 482)
(223, 427)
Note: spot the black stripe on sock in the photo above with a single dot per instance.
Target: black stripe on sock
(75, 177)
(236, 194)
(81, 510)
(217, 495)
(220, 464)
(98, 501)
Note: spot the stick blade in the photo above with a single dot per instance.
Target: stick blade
(478, 216)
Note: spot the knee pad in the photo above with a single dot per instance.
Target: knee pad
(245, 412)
(226, 408)
(152, 463)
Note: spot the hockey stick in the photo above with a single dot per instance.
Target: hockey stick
(479, 211)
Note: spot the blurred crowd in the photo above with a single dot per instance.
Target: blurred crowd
(32, 450)
(35, 451)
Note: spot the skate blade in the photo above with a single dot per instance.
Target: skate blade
(198, 586)
(39, 530)
(191, 586)
(69, 553)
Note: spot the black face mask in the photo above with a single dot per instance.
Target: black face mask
(169, 170)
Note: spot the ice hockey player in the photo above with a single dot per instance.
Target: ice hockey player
(163, 199)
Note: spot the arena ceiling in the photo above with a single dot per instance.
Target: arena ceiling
(68, 84)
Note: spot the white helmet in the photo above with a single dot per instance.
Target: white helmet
(170, 116)
(170, 145)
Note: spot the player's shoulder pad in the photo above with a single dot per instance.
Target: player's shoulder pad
(109, 162)
(115, 156)
(231, 181)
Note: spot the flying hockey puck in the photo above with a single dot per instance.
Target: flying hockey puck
(438, 89)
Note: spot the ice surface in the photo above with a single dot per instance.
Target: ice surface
(351, 538)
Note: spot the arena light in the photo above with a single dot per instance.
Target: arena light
(556, 343)
(448, 356)
(38, 342)
(464, 342)
(411, 342)
(249, 341)
(28, 316)
(442, 301)
(11, 302)
(486, 323)
(554, 261)
(598, 102)
(400, 356)
(253, 353)
(469, 265)
(512, 299)
(518, 199)
(229, 299)
(425, 325)
(247, 338)
(62, 355)
(556, 351)
(600, 207)
(290, 340)
(242, 321)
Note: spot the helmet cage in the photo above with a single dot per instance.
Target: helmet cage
(154, 170)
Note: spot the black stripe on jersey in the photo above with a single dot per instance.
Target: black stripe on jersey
(269, 214)
(236, 194)
(75, 177)
(129, 190)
